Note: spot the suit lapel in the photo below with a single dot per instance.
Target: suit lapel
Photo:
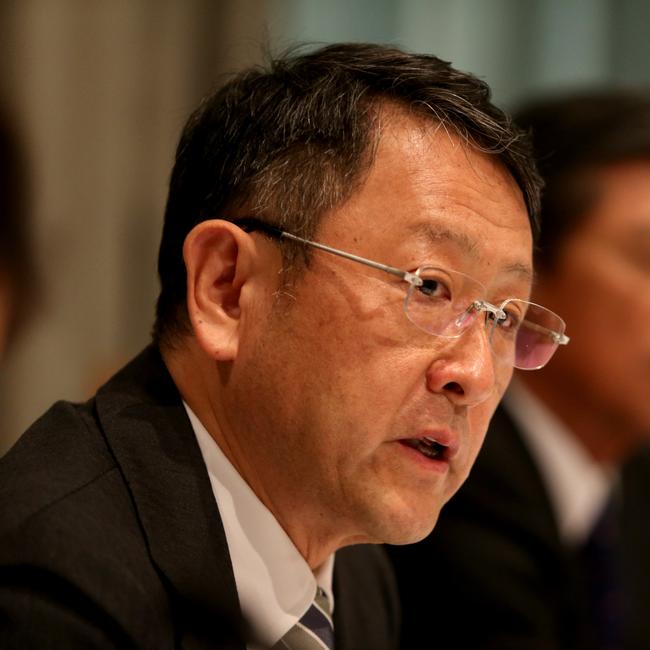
(506, 454)
(146, 427)
(366, 609)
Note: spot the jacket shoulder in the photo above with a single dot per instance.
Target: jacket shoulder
(62, 452)
(71, 544)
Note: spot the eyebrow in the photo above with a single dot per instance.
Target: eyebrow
(436, 233)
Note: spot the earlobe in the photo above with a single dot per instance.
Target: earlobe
(217, 258)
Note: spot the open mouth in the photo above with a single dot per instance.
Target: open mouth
(427, 447)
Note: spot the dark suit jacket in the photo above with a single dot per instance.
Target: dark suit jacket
(499, 576)
(110, 535)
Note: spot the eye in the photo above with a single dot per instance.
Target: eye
(434, 288)
(511, 322)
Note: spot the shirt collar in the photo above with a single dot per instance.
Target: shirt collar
(275, 584)
(578, 486)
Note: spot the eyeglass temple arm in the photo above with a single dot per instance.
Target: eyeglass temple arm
(253, 224)
(556, 337)
(250, 224)
(482, 305)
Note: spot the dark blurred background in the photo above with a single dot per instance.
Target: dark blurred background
(100, 89)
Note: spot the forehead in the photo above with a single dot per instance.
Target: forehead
(429, 193)
(434, 234)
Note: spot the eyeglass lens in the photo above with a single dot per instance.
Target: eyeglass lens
(522, 334)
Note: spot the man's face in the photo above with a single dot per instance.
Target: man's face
(601, 287)
(342, 380)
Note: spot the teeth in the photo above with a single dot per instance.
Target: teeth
(434, 443)
(430, 450)
(426, 446)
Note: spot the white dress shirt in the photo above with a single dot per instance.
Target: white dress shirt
(274, 582)
(578, 486)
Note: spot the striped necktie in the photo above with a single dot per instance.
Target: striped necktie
(314, 631)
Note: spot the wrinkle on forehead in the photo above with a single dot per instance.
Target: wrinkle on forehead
(436, 233)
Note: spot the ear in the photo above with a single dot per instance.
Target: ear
(218, 257)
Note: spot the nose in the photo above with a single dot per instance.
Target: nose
(464, 368)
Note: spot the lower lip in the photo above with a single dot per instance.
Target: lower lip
(431, 464)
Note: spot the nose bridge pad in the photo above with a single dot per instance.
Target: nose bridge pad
(477, 308)
(463, 322)
(492, 316)
(490, 325)
(466, 318)
(472, 372)
(483, 364)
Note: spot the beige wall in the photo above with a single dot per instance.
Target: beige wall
(102, 90)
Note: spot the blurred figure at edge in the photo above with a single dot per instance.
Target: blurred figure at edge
(547, 544)
(16, 274)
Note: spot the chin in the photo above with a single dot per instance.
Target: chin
(407, 528)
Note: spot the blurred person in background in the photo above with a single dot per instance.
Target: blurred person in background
(345, 266)
(547, 545)
(16, 263)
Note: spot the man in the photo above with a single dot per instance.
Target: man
(342, 233)
(546, 545)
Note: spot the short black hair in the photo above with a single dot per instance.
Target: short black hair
(290, 140)
(573, 136)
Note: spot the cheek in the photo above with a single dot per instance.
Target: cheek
(479, 419)
(603, 306)
(608, 357)
(610, 333)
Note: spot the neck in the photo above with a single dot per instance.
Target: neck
(205, 387)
